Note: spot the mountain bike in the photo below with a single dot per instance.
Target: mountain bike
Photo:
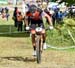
(39, 43)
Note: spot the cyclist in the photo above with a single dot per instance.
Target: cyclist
(36, 16)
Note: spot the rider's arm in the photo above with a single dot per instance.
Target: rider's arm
(48, 17)
(27, 15)
(26, 21)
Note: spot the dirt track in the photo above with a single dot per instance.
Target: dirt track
(15, 53)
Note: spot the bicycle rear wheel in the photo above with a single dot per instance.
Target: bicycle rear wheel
(38, 50)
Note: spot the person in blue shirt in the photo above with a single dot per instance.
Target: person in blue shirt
(59, 16)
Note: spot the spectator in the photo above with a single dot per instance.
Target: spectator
(15, 16)
(24, 10)
(3, 13)
(0, 10)
(59, 17)
(19, 21)
(7, 13)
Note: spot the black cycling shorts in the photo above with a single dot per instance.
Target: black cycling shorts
(36, 23)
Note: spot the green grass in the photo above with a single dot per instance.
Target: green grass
(56, 39)
(60, 37)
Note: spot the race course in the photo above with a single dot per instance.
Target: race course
(16, 52)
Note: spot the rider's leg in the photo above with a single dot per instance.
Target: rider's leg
(43, 35)
(33, 26)
(44, 39)
(33, 41)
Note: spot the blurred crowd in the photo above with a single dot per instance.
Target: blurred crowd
(4, 12)
(55, 10)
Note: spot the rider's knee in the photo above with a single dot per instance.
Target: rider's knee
(33, 32)
(43, 31)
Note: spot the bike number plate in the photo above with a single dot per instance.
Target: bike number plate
(38, 29)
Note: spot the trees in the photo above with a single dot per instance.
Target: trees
(70, 2)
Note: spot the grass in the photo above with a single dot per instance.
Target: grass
(59, 40)
(60, 37)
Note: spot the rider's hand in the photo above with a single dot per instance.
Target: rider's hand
(27, 28)
(51, 27)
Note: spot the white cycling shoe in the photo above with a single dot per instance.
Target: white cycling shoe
(44, 46)
(51, 27)
(34, 53)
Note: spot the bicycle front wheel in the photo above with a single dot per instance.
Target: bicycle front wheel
(38, 49)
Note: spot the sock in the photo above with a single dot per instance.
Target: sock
(43, 41)
(34, 48)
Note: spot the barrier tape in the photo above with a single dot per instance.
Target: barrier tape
(60, 48)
